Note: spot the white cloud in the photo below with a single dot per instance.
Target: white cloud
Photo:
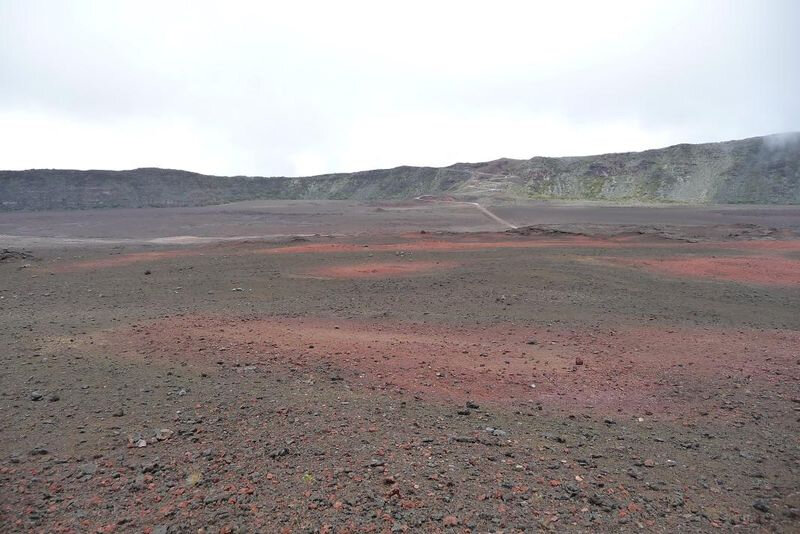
(112, 144)
(294, 88)
(447, 139)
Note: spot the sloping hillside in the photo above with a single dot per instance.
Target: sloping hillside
(756, 170)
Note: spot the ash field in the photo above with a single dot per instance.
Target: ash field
(407, 366)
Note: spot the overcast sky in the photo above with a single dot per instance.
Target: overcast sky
(297, 88)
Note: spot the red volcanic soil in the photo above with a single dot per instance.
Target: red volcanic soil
(531, 388)
(771, 270)
(632, 370)
(380, 269)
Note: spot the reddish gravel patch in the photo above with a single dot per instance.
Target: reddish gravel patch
(769, 270)
(380, 269)
(634, 370)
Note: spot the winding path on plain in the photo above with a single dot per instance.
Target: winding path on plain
(480, 208)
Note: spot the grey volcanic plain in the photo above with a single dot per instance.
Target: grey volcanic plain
(434, 360)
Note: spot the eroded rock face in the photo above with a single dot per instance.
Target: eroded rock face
(756, 170)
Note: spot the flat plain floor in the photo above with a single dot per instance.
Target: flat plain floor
(384, 379)
(270, 219)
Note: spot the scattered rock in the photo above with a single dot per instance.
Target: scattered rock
(151, 466)
(450, 521)
(761, 506)
(279, 453)
(578, 361)
(164, 434)
(88, 468)
(36, 396)
(602, 501)
(118, 413)
(53, 397)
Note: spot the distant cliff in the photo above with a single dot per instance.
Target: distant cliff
(757, 170)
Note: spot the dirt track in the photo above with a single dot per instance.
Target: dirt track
(404, 381)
